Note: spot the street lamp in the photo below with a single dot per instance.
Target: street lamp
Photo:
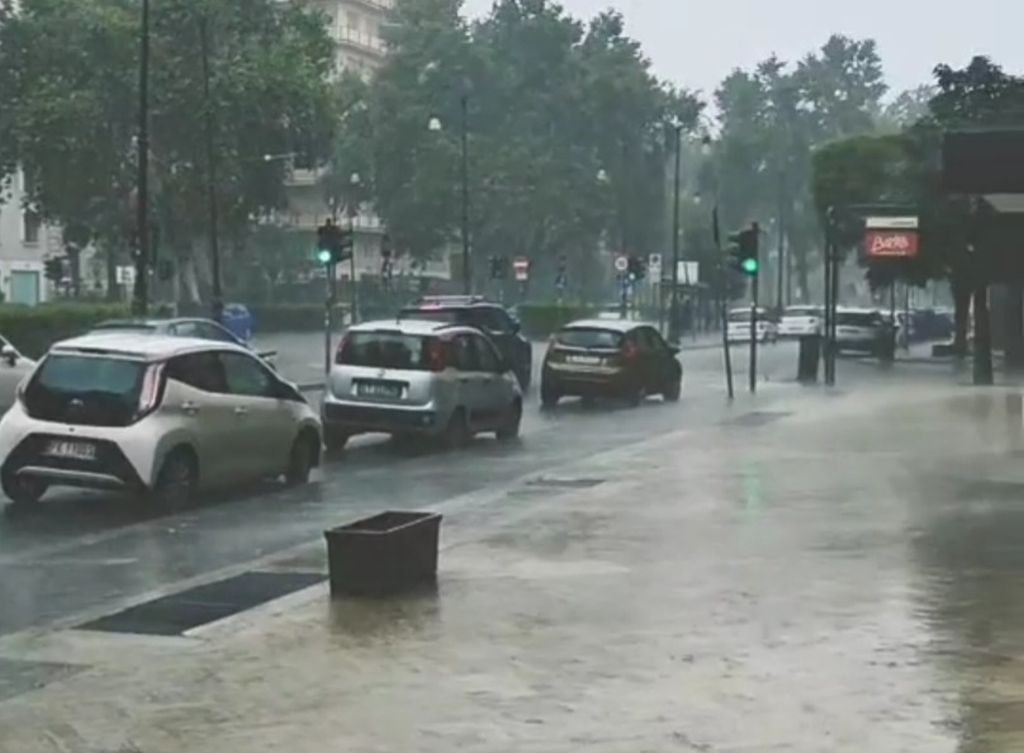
(673, 321)
(435, 125)
(140, 293)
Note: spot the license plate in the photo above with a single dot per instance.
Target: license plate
(71, 450)
(378, 389)
(585, 360)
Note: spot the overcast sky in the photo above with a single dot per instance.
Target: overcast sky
(696, 43)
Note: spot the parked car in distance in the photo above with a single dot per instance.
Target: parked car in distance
(162, 415)
(861, 330)
(603, 358)
(488, 317)
(204, 329)
(414, 377)
(799, 321)
(738, 328)
(14, 367)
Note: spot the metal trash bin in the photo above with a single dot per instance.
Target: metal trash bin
(810, 355)
(383, 554)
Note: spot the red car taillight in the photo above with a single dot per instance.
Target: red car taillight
(437, 354)
(344, 348)
(152, 390)
(630, 351)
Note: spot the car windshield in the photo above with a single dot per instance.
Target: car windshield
(385, 350)
(85, 389)
(796, 311)
(580, 337)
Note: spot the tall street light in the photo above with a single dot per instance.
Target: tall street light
(211, 174)
(673, 321)
(140, 293)
(436, 125)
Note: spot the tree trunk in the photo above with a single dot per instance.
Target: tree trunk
(113, 291)
(74, 254)
(1015, 328)
(982, 336)
(961, 291)
(800, 255)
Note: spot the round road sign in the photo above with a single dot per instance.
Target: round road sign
(621, 263)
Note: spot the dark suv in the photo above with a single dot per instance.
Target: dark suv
(488, 317)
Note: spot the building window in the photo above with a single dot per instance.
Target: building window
(353, 21)
(30, 226)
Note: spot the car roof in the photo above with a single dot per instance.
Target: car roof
(612, 325)
(153, 321)
(409, 326)
(145, 347)
(451, 302)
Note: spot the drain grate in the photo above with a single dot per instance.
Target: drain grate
(18, 676)
(755, 418)
(174, 614)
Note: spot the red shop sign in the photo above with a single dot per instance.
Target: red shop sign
(888, 244)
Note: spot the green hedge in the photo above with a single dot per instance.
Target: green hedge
(32, 329)
(541, 319)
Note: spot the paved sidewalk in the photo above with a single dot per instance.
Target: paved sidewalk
(837, 573)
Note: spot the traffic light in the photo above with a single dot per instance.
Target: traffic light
(333, 244)
(743, 250)
(636, 269)
(498, 265)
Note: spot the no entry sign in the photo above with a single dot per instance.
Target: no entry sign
(891, 238)
(521, 265)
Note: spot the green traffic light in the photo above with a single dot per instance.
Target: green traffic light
(750, 266)
(323, 255)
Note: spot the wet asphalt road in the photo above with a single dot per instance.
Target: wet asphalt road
(84, 554)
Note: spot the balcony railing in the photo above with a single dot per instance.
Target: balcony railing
(361, 40)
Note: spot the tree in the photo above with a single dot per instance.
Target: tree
(69, 70)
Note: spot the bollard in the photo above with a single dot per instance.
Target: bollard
(810, 354)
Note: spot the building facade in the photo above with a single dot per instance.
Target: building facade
(25, 243)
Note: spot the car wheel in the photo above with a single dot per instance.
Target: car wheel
(509, 428)
(177, 481)
(335, 440)
(548, 396)
(301, 460)
(636, 395)
(673, 390)
(23, 491)
(456, 434)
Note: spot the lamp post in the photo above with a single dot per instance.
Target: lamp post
(211, 175)
(354, 181)
(673, 321)
(140, 292)
(435, 125)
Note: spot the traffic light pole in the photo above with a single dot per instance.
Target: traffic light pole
(753, 333)
(328, 307)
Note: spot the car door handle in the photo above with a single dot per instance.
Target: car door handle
(189, 408)
(241, 410)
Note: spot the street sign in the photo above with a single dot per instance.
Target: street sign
(521, 265)
(654, 267)
(621, 263)
(125, 275)
(891, 237)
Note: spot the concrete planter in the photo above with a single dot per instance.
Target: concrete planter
(383, 554)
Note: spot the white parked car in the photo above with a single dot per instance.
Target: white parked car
(739, 326)
(860, 330)
(14, 367)
(158, 414)
(798, 321)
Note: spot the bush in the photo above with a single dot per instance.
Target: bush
(32, 329)
(539, 320)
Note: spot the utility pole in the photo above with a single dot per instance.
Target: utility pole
(140, 294)
(723, 271)
(827, 296)
(211, 174)
(467, 272)
(673, 312)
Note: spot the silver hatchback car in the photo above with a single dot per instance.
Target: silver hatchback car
(153, 413)
(409, 377)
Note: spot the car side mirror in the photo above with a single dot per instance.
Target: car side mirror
(9, 355)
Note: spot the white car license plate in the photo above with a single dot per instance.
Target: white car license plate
(585, 360)
(71, 450)
(378, 389)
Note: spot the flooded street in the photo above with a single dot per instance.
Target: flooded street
(808, 571)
